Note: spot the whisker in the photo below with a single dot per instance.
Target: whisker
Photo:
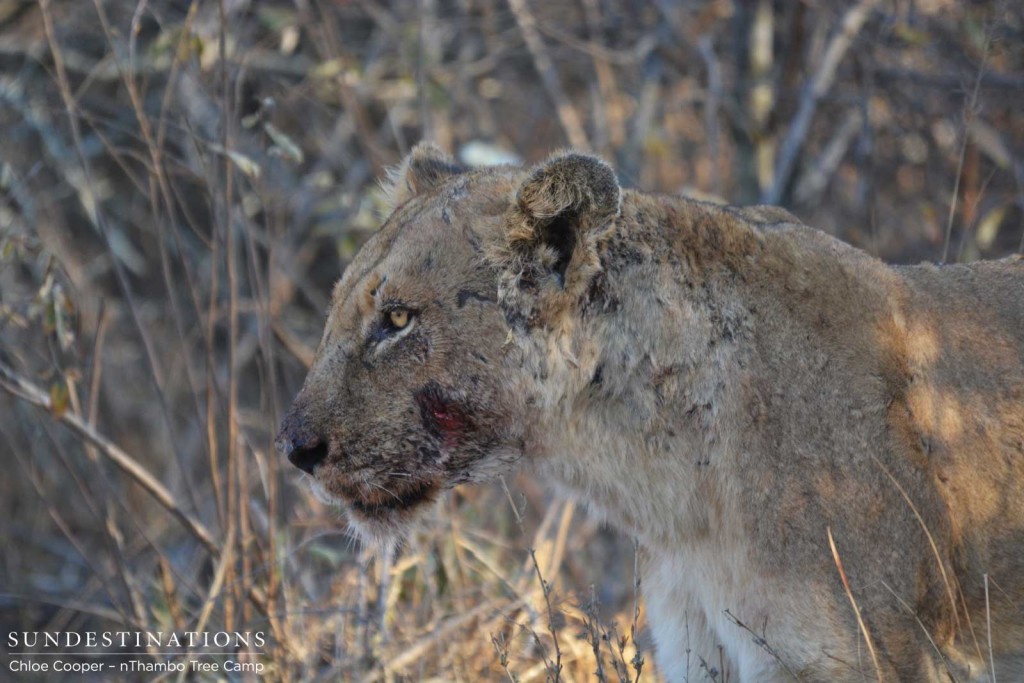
(387, 491)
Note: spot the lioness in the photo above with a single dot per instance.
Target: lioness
(805, 440)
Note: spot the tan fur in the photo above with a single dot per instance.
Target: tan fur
(725, 384)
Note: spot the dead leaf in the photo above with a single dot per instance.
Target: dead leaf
(58, 398)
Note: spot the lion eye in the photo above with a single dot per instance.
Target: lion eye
(399, 318)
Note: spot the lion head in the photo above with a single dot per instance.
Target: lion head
(434, 367)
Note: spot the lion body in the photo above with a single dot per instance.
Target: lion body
(822, 386)
(821, 456)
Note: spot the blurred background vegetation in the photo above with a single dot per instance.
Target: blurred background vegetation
(181, 183)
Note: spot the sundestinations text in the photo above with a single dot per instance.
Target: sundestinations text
(135, 639)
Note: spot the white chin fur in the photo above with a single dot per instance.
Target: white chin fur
(380, 533)
(320, 493)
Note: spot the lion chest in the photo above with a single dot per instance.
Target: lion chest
(706, 604)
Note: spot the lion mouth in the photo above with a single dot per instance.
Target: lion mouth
(376, 501)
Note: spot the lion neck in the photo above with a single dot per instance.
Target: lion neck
(654, 393)
(641, 392)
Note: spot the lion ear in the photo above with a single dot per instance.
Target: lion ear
(561, 209)
(423, 169)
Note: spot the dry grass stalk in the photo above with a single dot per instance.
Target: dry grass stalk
(951, 590)
(853, 603)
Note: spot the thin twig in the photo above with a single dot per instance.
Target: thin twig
(501, 648)
(596, 50)
(761, 641)
(592, 628)
(554, 667)
(638, 659)
(927, 634)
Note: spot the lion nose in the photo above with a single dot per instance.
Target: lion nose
(304, 450)
(307, 455)
(300, 438)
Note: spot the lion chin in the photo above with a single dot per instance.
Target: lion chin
(378, 516)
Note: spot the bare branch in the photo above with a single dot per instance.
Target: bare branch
(707, 53)
(820, 84)
(816, 176)
(567, 114)
(971, 109)
(21, 388)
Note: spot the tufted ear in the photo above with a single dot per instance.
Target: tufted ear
(561, 209)
(423, 169)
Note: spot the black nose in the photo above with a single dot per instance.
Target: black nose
(303, 453)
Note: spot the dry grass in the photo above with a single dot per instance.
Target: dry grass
(181, 182)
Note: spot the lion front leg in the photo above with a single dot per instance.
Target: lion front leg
(686, 650)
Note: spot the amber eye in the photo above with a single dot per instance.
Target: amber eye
(399, 318)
